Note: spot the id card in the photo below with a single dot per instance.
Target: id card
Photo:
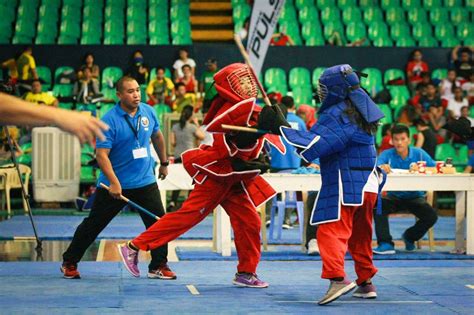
(140, 153)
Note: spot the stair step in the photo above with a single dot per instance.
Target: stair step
(210, 20)
(212, 35)
(210, 6)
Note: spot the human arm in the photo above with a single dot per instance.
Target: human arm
(198, 134)
(383, 161)
(55, 102)
(420, 139)
(149, 92)
(158, 141)
(290, 40)
(102, 155)
(454, 53)
(95, 71)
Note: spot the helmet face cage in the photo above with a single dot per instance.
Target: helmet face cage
(322, 91)
(243, 83)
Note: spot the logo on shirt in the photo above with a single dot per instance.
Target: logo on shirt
(145, 122)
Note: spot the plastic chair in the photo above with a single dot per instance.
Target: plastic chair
(351, 14)
(300, 4)
(385, 108)
(275, 77)
(44, 73)
(388, 4)
(428, 42)
(303, 95)
(439, 74)
(290, 202)
(406, 41)
(465, 31)
(432, 4)
(373, 14)
(410, 4)
(111, 75)
(421, 30)
(299, 77)
(417, 15)
(311, 29)
(399, 30)
(450, 42)
(355, 31)
(391, 74)
(459, 15)
(395, 15)
(321, 4)
(342, 4)
(329, 14)
(9, 180)
(317, 40)
(382, 41)
(373, 83)
(288, 13)
(439, 16)
(368, 3)
(315, 76)
(308, 14)
(63, 90)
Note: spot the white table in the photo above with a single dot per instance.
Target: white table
(462, 184)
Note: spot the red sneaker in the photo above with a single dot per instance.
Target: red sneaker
(163, 272)
(69, 271)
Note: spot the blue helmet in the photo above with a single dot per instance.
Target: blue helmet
(335, 84)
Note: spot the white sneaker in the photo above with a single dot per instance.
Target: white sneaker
(313, 248)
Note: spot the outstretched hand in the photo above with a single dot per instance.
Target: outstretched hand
(271, 118)
(86, 128)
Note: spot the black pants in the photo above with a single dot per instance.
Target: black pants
(419, 207)
(104, 209)
(310, 229)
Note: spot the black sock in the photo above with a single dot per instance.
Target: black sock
(337, 279)
(130, 245)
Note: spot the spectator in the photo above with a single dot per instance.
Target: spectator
(415, 67)
(456, 102)
(337, 39)
(11, 66)
(468, 88)
(470, 164)
(464, 65)
(88, 63)
(281, 39)
(160, 90)
(401, 157)
(180, 62)
(26, 66)
(437, 120)
(206, 84)
(430, 99)
(465, 114)
(308, 114)
(87, 88)
(137, 68)
(448, 84)
(189, 80)
(39, 97)
(425, 138)
(182, 99)
(386, 138)
(184, 136)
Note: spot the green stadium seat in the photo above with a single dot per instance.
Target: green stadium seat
(49, 12)
(70, 13)
(275, 77)
(88, 175)
(317, 40)
(137, 4)
(47, 28)
(471, 111)
(317, 72)
(351, 14)
(392, 74)
(159, 39)
(92, 12)
(331, 27)
(443, 31)
(465, 31)
(288, 13)
(161, 110)
(459, 15)
(63, 90)
(91, 28)
(421, 30)
(395, 15)
(299, 77)
(468, 41)
(444, 151)
(109, 94)
(428, 42)
(182, 40)
(330, 14)
(321, 4)
(311, 29)
(180, 28)
(60, 71)
(25, 28)
(117, 3)
(291, 28)
(303, 95)
(67, 40)
(157, 13)
(453, 3)
(114, 12)
(111, 75)
(113, 28)
(136, 40)
(73, 3)
(388, 119)
(24, 159)
(406, 41)
(94, 3)
(373, 82)
(389, 4)
(417, 15)
(241, 12)
(21, 40)
(70, 28)
(383, 41)
(368, 3)
(136, 13)
(44, 73)
(439, 74)
(45, 40)
(399, 30)
(137, 28)
(400, 96)
(450, 42)
(439, 16)
(90, 40)
(27, 11)
(300, 4)
(309, 14)
(342, 4)
(355, 31)
(378, 30)
(410, 4)
(179, 2)
(431, 4)
(373, 14)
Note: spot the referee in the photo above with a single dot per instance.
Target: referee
(127, 167)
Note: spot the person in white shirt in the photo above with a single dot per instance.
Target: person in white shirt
(468, 87)
(180, 62)
(446, 86)
(465, 114)
(456, 103)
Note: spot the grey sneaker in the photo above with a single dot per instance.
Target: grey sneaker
(249, 280)
(129, 259)
(313, 248)
(336, 289)
(365, 292)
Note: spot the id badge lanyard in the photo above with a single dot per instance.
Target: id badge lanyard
(135, 130)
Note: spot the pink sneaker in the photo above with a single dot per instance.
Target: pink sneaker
(367, 291)
(129, 259)
(249, 280)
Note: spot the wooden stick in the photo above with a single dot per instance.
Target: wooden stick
(244, 53)
(245, 129)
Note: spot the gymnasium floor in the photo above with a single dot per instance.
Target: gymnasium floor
(422, 283)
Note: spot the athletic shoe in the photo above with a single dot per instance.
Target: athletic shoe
(69, 271)
(367, 291)
(409, 245)
(249, 280)
(313, 248)
(129, 259)
(336, 289)
(163, 272)
(384, 249)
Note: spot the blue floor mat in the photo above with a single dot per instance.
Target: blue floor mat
(129, 226)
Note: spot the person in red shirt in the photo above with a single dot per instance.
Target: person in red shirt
(415, 67)
(188, 80)
(281, 39)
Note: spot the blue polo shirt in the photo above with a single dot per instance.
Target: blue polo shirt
(471, 161)
(391, 158)
(289, 160)
(121, 140)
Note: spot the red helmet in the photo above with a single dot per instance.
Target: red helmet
(235, 82)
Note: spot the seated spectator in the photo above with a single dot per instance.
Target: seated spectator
(39, 97)
(160, 90)
(137, 68)
(465, 114)
(386, 138)
(308, 114)
(86, 90)
(185, 135)
(206, 84)
(336, 39)
(464, 65)
(188, 80)
(182, 98)
(430, 99)
(448, 84)
(26, 66)
(180, 62)
(437, 120)
(281, 39)
(468, 88)
(456, 102)
(401, 157)
(470, 164)
(12, 70)
(88, 63)
(415, 67)
(426, 137)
